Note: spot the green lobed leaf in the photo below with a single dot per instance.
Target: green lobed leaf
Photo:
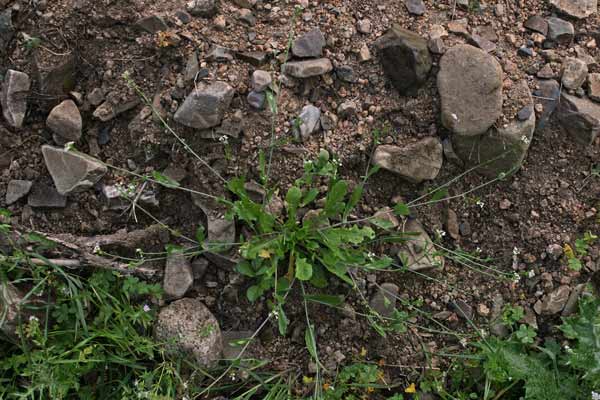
(401, 209)
(334, 201)
(304, 269)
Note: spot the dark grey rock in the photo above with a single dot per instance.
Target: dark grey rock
(16, 190)
(199, 267)
(256, 100)
(462, 309)
(560, 31)
(547, 95)
(346, 73)
(525, 51)
(416, 163)
(56, 76)
(183, 16)
(481, 42)
(13, 97)
(72, 171)
(255, 58)
(205, 106)
(65, 122)
(537, 24)
(384, 300)
(415, 7)
(579, 117)
(405, 59)
(525, 113)
(308, 68)
(179, 277)
(195, 329)
(42, 196)
(152, 24)
(309, 45)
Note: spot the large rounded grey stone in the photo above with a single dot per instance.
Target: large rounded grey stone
(187, 326)
(470, 87)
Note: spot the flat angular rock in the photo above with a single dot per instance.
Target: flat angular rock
(470, 87)
(192, 67)
(194, 328)
(308, 122)
(418, 253)
(256, 100)
(16, 190)
(548, 95)
(481, 42)
(65, 122)
(43, 196)
(576, 8)
(574, 73)
(405, 59)
(537, 24)
(593, 84)
(219, 54)
(416, 163)
(308, 68)
(309, 45)
(205, 106)
(179, 277)
(384, 300)
(579, 117)
(261, 80)
(13, 97)
(554, 302)
(152, 24)
(415, 7)
(560, 31)
(72, 171)
(55, 75)
(202, 8)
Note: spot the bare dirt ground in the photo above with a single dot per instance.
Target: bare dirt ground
(550, 201)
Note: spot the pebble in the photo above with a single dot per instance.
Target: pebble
(415, 7)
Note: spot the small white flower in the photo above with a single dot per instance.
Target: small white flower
(440, 232)
(480, 203)
(146, 308)
(224, 139)
(33, 318)
(478, 250)
(516, 251)
(525, 139)
(463, 342)
(185, 385)
(97, 249)
(516, 278)
(454, 116)
(531, 273)
(595, 396)
(274, 314)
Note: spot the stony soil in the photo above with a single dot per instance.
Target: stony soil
(551, 200)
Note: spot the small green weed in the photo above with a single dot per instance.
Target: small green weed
(517, 368)
(581, 250)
